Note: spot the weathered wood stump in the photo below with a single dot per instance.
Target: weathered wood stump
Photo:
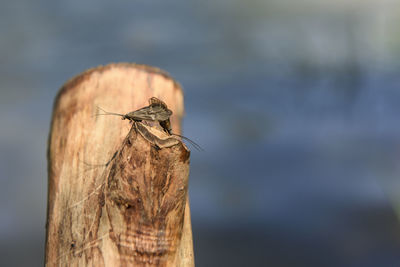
(117, 197)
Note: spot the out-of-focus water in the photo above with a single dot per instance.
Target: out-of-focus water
(296, 104)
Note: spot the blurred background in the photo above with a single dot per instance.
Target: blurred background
(296, 104)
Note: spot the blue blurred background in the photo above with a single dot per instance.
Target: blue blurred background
(296, 104)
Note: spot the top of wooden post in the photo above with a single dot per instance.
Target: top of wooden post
(80, 146)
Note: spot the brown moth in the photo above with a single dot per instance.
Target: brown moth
(157, 111)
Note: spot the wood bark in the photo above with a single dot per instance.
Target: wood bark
(117, 192)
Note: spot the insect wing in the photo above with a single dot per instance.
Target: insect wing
(142, 114)
(161, 108)
(150, 113)
(155, 101)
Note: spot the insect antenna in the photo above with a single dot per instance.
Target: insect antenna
(193, 143)
(107, 113)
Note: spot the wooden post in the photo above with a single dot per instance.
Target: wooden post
(115, 198)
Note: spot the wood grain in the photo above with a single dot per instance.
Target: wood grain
(116, 197)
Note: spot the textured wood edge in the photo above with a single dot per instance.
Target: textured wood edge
(75, 81)
(151, 201)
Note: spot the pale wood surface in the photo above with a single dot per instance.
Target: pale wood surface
(114, 198)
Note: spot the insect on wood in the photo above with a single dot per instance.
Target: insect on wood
(156, 111)
(128, 208)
